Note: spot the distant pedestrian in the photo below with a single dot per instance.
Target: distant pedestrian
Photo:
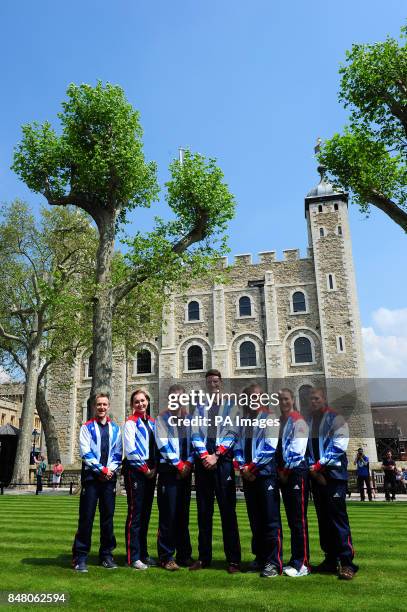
(390, 469)
(57, 473)
(363, 473)
(40, 471)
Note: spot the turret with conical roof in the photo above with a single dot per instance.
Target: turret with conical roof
(326, 210)
(324, 191)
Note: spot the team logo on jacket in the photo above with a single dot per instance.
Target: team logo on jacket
(336, 495)
(135, 485)
(229, 478)
(270, 488)
(296, 488)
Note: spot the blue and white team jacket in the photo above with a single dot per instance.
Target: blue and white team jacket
(89, 444)
(264, 446)
(168, 442)
(294, 441)
(333, 442)
(226, 431)
(136, 441)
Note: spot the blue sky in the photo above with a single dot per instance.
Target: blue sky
(250, 83)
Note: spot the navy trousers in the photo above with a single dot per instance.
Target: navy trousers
(362, 480)
(219, 482)
(140, 496)
(94, 491)
(295, 496)
(390, 486)
(334, 530)
(263, 508)
(173, 498)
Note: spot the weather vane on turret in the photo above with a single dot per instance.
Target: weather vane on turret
(321, 169)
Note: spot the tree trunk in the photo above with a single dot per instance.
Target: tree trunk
(103, 309)
(22, 460)
(48, 426)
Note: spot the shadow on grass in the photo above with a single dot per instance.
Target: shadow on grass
(64, 561)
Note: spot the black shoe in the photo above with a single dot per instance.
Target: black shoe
(254, 567)
(108, 563)
(326, 567)
(185, 562)
(80, 566)
(150, 562)
(269, 571)
(198, 565)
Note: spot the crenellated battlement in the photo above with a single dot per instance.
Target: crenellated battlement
(264, 257)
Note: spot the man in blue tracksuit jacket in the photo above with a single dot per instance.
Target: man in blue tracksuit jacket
(173, 440)
(101, 451)
(255, 454)
(327, 444)
(214, 475)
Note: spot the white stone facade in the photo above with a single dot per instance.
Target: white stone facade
(314, 341)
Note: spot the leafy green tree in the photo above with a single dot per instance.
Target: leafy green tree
(43, 294)
(97, 164)
(369, 158)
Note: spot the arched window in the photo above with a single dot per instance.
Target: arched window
(304, 401)
(336, 207)
(143, 362)
(195, 357)
(247, 353)
(245, 306)
(320, 208)
(302, 350)
(299, 304)
(193, 311)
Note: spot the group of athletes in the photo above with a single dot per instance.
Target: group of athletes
(291, 458)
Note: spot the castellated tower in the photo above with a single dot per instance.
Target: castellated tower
(326, 212)
(291, 321)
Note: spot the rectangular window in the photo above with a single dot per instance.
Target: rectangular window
(330, 282)
(339, 230)
(340, 344)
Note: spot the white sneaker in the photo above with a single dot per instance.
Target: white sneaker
(139, 565)
(293, 573)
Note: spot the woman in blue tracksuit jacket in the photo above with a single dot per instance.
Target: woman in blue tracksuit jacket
(140, 476)
(293, 475)
(255, 454)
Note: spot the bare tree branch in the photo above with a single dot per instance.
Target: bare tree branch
(11, 337)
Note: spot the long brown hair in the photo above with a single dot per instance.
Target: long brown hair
(146, 395)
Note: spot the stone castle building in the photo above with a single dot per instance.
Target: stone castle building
(292, 322)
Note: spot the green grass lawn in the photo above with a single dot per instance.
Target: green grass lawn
(36, 539)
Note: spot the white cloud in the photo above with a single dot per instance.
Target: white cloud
(391, 322)
(385, 344)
